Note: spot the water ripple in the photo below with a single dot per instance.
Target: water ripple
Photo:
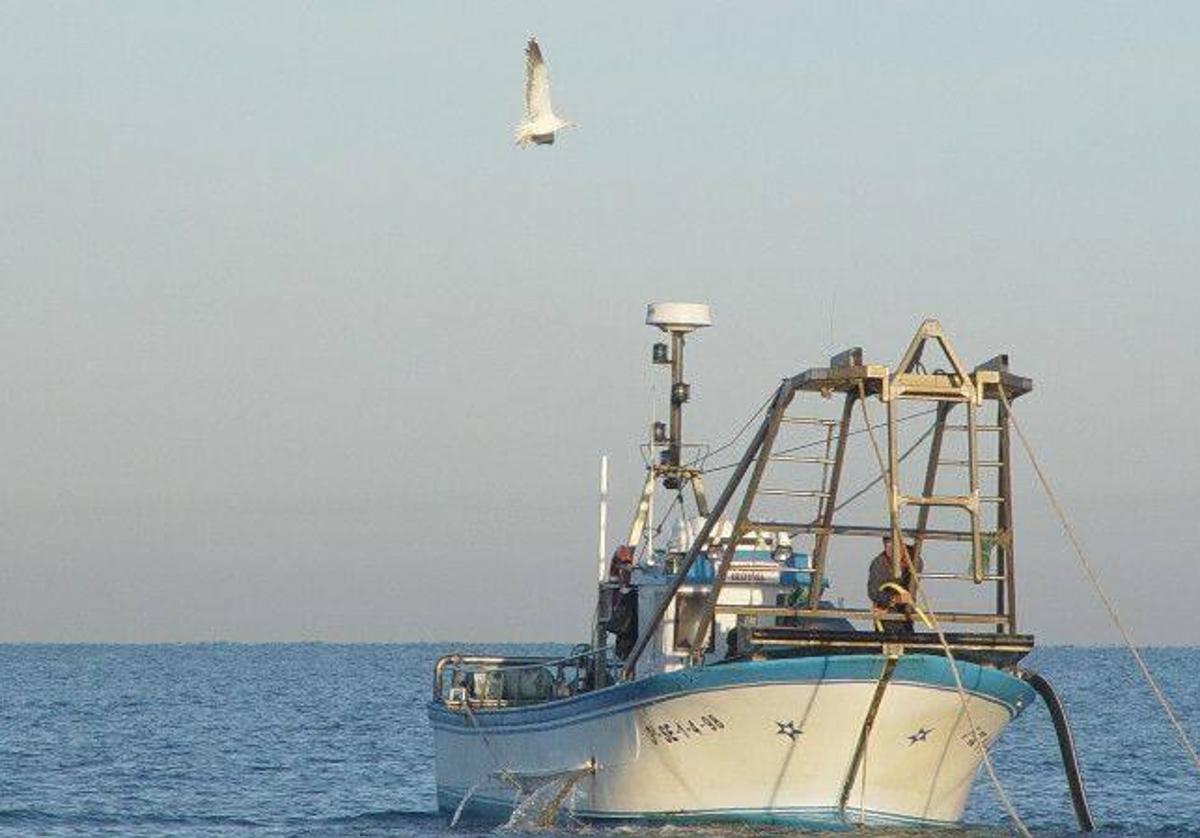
(325, 740)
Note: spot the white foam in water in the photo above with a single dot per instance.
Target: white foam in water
(539, 807)
(462, 804)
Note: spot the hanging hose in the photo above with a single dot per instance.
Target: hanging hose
(1066, 746)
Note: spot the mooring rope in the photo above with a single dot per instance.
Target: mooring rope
(548, 812)
(1180, 732)
(503, 773)
(1001, 794)
(975, 729)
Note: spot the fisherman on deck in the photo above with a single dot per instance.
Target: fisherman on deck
(890, 593)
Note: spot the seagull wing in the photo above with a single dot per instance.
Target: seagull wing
(537, 83)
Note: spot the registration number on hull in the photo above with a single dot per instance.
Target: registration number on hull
(674, 731)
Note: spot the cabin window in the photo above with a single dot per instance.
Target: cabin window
(689, 610)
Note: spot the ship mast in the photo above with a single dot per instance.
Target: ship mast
(666, 461)
(677, 321)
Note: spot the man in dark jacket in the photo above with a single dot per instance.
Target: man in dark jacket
(891, 593)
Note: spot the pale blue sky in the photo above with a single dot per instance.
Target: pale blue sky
(295, 344)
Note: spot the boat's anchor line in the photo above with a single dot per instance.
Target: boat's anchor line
(1066, 746)
(1180, 732)
(526, 797)
(502, 773)
(980, 743)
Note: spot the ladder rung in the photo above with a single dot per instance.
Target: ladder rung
(776, 526)
(962, 577)
(937, 500)
(991, 499)
(795, 458)
(992, 428)
(965, 463)
(794, 493)
(814, 527)
(809, 420)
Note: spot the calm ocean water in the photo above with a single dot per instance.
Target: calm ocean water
(314, 740)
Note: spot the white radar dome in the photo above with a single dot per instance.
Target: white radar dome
(678, 317)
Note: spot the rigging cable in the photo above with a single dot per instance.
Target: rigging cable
(1001, 794)
(1180, 732)
(667, 515)
(876, 481)
(640, 552)
(683, 520)
(815, 443)
(702, 459)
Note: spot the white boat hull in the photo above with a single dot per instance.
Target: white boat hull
(754, 741)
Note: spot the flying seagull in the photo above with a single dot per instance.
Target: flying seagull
(541, 123)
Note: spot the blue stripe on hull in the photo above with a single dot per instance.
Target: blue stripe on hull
(490, 810)
(918, 670)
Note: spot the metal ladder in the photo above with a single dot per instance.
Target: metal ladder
(825, 460)
(959, 388)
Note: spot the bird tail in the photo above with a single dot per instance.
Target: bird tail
(523, 136)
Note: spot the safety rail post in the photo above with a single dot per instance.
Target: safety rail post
(973, 487)
(1006, 588)
(893, 481)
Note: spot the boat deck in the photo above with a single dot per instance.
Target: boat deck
(987, 648)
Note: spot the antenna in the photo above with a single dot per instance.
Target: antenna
(677, 320)
(601, 551)
(832, 306)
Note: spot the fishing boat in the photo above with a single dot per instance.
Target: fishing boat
(727, 677)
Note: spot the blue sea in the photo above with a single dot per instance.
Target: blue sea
(330, 740)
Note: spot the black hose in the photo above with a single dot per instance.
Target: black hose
(1066, 745)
